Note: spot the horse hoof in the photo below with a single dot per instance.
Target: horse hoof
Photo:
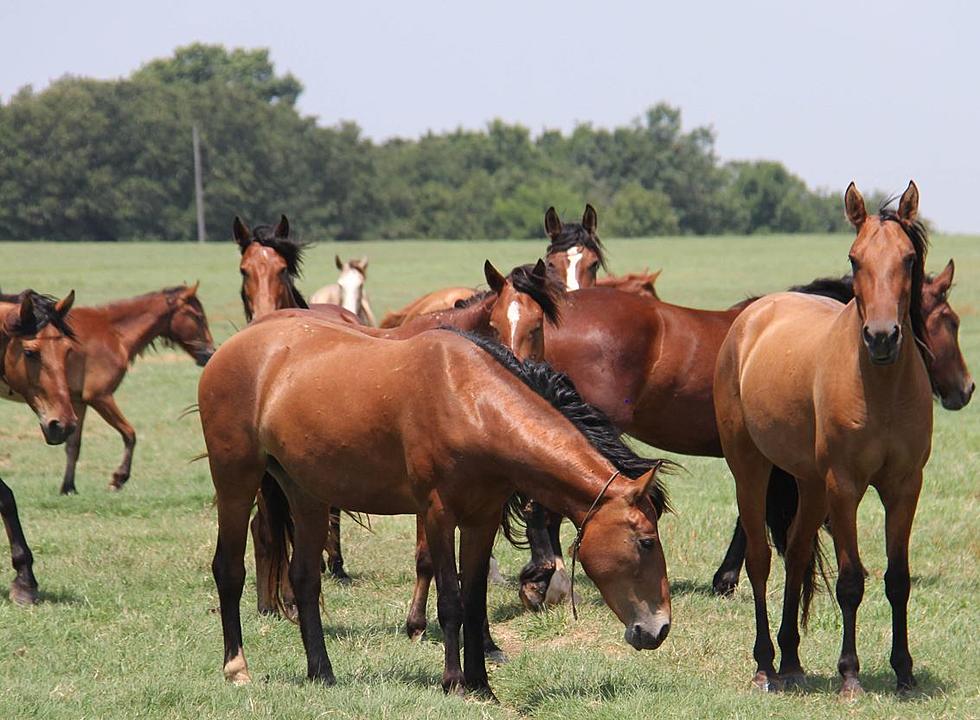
(559, 589)
(851, 690)
(454, 687)
(69, 490)
(114, 486)
(414, 633)
(24, 596)
(483, 692)
(762, 682)
(724, 585)
(342, 578)
(496, 656)
(906, 687)
(236, 671)
(326, 679)
(793, 680)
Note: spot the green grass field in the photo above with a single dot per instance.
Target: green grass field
(127, 626)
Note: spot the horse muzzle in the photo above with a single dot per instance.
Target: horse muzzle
(641, 637)
(883, 345)
(56, 432)
(959, 399)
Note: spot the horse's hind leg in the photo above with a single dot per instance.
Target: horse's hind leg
(900, 502)
(73, 448)
(23, 590)
(416, 622)
(235, 489)
(110, 412)
(440, 532)
(725, 579)
(305, 576)
(335, 558)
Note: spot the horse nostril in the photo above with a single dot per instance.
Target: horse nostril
(54, 427)
(894, 336)
(663, 633)
(868, 337)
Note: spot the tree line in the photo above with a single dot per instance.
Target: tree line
(111, 160)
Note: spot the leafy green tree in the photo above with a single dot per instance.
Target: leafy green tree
(638, 212)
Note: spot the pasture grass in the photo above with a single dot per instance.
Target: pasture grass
(127, 626)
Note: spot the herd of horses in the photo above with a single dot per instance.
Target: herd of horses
(505, 410)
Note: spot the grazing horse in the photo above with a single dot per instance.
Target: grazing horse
(492, 426)
(951, 382)
(348, 291)
(434, 301)
(35, 340)
(575, 252)
(839, 396)
(109, 338)
(272, 260)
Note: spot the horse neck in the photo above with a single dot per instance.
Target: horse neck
(139, 321)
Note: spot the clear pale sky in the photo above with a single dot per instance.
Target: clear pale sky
(878, 92)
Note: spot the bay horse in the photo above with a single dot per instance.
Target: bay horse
(271, 262)
(435, 301)
(839, 396)
(35, 341)
(575, 252)
(951, 381)
(108, 339)
(348, 291)
(492, 426)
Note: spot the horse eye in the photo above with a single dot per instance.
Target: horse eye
(855, 265)
(243, 271)
(648, 543)
(909, 262)
(32, 354)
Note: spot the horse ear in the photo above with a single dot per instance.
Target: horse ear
(282, 229)
(363, 262)
(552, 223)
(645, 484)
(188, 292)
(64, 305)
(590, 219)
(337, 260)
(243, 236)
(908, 206)
(26, 311)
(854, 206)
(944, 280)
(495, 280)
(540, 270)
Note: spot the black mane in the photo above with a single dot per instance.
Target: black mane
(573, 235)
(917, 234)
(560, 392)
(840, 289)
(44, 314)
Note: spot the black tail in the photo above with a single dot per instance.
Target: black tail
(275, 508)
(782, 499)
(513, 523)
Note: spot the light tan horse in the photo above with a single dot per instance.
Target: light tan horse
(348, 291)
(838, 396)
(443, 426)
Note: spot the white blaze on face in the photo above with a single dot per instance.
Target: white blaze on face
(351, 282)
(574, 256)
(513, 316)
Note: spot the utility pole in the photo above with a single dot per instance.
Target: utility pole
(198, 185)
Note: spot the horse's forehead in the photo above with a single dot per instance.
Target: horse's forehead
(350, 274)
(257, 255)
(880, 239)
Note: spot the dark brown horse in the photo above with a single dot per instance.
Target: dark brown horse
(35, 342)
(839, 396)
(272, 260)
(492, 426)
(108, 339)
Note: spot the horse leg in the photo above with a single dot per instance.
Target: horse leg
(900, 502)
(850, 578)
(107, 408)
(536, 574)
(475, 544)
(725, 579)
(304, 574)
(234, 500)
(23, 590)
(811, 511)
(335, 559)
(416, 622)
(73, 448)
(441, 531)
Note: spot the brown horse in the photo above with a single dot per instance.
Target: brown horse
(951, 382)
(639, 283)
(575, 252)
(35, 341)
(435, 301)
(492, 426)
(839, 396)
(272, 260)
(108, 339)
(348, 291)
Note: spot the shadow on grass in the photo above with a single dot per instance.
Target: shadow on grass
(879, 682)
(507, 611)
(60, 597)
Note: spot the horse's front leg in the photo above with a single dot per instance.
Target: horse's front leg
(900, 502)
(725, 579)
(475, 545)
(110, 412)
(440, 530)
(73, 448)
(23, 590)
(536, 575)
